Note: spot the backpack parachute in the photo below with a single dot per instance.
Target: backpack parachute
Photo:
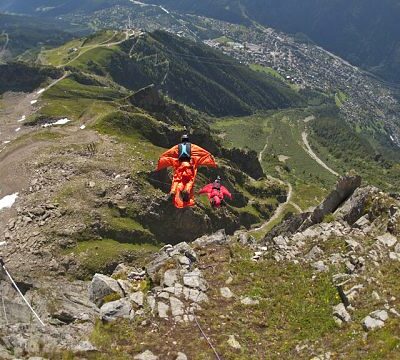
(184, 151)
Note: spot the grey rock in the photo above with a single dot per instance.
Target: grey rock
(352, 210)
(352, 244)
(345, 187)
(138, 298)
(184, 261)
(375, 320)
(195, 280)
(387, 239)
(177, 306)
(84, 347)
(147, 355)
(151, 301)
(320, 266)
(181, 356)
(380, 315)
(394, 256)
(218, 238)
(116, 309)
(102, 286)
(314, 253)
(353, 292)
(162, 310)
(126, 286)
(249, 301)
(341, 312)
(232, 342)
(226, 292)
(170, 278)
(370, 323)
(163, 295)
(362, 223)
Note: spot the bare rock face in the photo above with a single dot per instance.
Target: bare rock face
(101, 286)
(117, 309)
(344, 189)
(354, 207)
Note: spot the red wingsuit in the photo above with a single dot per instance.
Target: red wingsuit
(215, 193)
(185, 172)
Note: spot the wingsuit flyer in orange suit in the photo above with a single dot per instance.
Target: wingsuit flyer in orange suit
(185, 159)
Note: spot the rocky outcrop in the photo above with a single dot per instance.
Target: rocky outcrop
(299, 223)
(246, 160)
(103, 286)
(355, 206)
(361, 237)
(344, 189)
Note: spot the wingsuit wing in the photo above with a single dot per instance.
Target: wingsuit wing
(202, 157)
(168, 158)
(226, 192)
(206, 189)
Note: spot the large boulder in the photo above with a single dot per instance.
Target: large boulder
(116, 309)
(345, 187)
(355, 206)
(103, 286)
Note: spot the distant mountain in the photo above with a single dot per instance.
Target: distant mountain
(27, 32)
(55, 7)
(364, 32)
(191, 73)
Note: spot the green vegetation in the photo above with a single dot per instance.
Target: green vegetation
(267, 70)
(223, 39)
(28, 33)
(282, 320)
(340, 98)
(176, 63)
(69, 98)
(345, 149)
(278, 136)
(24, 77)
(97, 255)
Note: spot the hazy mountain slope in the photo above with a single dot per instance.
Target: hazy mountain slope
(20, 33)
(363, 32)
(55, 7)
(190, 73)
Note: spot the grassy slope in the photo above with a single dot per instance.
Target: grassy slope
(197, 75)
(281, 131)
(283, 320)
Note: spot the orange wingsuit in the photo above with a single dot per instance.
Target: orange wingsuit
(185, 172)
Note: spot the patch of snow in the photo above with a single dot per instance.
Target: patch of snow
(22, 118)
(391, 138)
(117, 176)
(3, 243)
(33, 102)
(18, 129)
(40, 91)
(6, 142)
(82, 127)
(8, 201)
(58, 122)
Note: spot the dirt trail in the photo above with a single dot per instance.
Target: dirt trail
(313, 155)
(281, 208)
(95, 46)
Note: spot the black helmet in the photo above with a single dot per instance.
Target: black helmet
(185, 138)
(218, 179)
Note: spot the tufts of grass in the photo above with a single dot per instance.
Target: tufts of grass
(97, 255)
